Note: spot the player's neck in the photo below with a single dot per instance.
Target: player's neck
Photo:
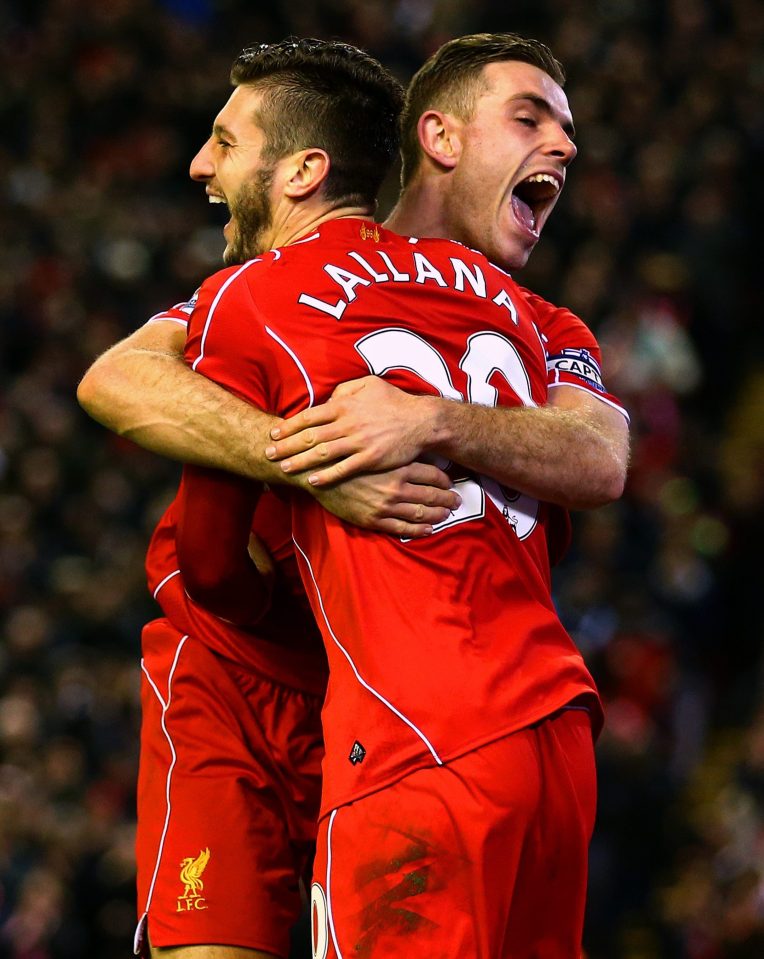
(419, 211)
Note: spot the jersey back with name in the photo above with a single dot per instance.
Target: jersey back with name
(437, 645)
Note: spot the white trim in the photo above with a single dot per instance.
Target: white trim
(602, 399)
(164, 581)
(162, 318)
(329, 913)
(218, 295)
(305, 239)
(300, 367)
(165, 707)
(358, 676)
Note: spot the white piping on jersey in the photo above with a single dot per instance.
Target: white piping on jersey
(165, 707)
(593, 393)
(218, 295)
(299, 365)
(306, 239)
(164, 581)
(329, 913)
(539, 335)
(164, 318)
(358, 676)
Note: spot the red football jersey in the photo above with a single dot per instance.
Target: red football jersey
(438, 645)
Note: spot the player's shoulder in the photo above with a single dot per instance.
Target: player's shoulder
(232, 280)
(548, 312)
(223, 278)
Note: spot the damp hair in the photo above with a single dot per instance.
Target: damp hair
(328, 95)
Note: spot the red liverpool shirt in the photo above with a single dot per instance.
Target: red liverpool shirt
(439, 645)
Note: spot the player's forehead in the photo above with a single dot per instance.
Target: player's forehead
(508, 80)
(239, 115)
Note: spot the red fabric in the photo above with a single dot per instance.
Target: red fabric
(227, 582)
(285, 645)
(484, 857)
(230, 763)
(436, 646)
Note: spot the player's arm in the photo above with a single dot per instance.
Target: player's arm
(573, 452)
(143, 389)
(223, 569)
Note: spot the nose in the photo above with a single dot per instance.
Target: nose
(563, 148)
(202, 168)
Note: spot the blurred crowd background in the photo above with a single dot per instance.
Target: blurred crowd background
(102, 105)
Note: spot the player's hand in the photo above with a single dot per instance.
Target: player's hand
(366, 426)
(405, 502)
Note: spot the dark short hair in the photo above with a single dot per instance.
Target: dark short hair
(452, 78)
(330, 95)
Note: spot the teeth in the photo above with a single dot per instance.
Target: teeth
(215, 199)
(543, 178)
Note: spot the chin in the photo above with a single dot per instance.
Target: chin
(520, 254)
(510, 259)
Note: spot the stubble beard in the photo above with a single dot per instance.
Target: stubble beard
(252, 216)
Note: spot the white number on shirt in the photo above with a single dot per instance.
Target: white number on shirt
(319, 922)
(487, 353)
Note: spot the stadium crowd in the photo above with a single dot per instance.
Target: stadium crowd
(102, 107)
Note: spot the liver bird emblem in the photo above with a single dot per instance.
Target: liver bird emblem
(191, 873)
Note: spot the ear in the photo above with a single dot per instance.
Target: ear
(440, 137)
(307, 170)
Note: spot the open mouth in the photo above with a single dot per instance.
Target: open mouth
(219, 200)
(531, 197)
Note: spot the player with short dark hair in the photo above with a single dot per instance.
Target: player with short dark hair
(320, 94)
(231, 744)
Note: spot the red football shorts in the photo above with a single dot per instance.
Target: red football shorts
(228, 797)
(482, 858)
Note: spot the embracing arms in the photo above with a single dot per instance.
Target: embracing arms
(142, 389)
(572, 452)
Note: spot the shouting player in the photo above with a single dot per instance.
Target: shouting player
(464, 110)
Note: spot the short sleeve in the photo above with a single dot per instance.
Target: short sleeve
(573, 356)
(180, 313)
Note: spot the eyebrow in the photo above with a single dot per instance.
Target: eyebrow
(218, 130)
(546, 107)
